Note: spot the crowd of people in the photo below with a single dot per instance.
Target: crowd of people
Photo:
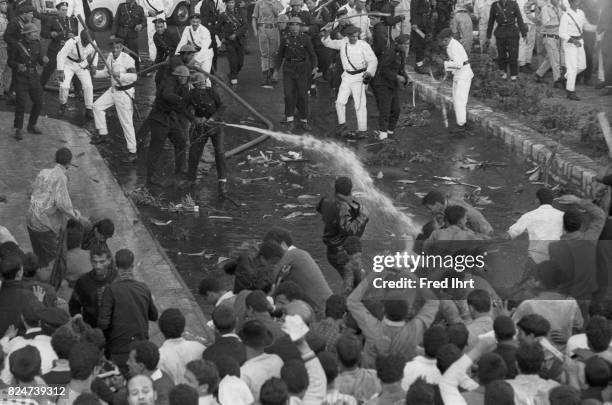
(75, 323)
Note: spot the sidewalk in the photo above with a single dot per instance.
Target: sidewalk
(570, 168)
(95, 193)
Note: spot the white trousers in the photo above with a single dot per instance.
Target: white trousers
(204, 60)
(150, 32)
(352, 85)
(601, 70)
(526, 46)
(461, 92)
(70, 69)
(575, 62)
(122, 100)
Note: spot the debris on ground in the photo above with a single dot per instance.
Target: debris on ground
(425, 156)
(519, 188)
(414, 117)
(494, 188)
(202, 253)
(249, 181)
(158, 222)
(307, 197)
(405, 181)
(420, 195)
(472, 164)
(142, 196)
(379, 175)
(294, 214)
(294, 206)
(534, 173)
(475, 198)
(219, 217)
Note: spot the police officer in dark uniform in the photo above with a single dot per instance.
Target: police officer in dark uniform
(24, 57)
(319, 19)
(206, 104)
(129, 20)
(58, 28)
(444, 12)
(23, 14)
(232, 29)
(298, 57)
(165, 43)
(209, 17)
(507, 15)
(420, 18)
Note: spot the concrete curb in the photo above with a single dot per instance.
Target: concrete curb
(571, 169)
(95, 192)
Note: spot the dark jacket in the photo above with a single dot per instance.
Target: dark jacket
(389, 67)
(12, 34)
(26, 53)
(126, 19)
(165, 44)
(341, 220)
(232, 22)
(209, 16)
(205, 102)
(380, 38)
(87, 295)
(393, 19)
(63, 27)
(297, 51)
(420, 13)
(13, 300)
(507, 15)
(126, 308)
(168, 102)
(226, 346)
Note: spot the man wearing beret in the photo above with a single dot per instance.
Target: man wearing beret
(128, 22)
(59, 29)
(298, 58)
(459, 65)
(359, 64)
(24, 58)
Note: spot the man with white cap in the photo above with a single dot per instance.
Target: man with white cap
(121, 69)
(359, 64)
(199, 36)
(153, 9)
(573, 23)
(77, 57)
(459, 65)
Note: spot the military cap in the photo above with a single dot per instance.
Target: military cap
(187, 48)
(198, 78)
(159, 20)
(195, 15)
(53, 317)
(402, 38)
(350, 30)
(283, 18)
(181, 70)
(28, 28)
(61, 4)
(296, 2)
(295, 20)
(445, 33)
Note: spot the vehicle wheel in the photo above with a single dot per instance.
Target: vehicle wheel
(99, 19)
(181, 14)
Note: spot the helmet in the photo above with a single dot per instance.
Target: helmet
(295, 20)
(187, 48)
(283, 18)
(29, 27)
(198, 78)
(181, 71)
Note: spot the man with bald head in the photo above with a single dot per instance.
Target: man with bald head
(141, 390)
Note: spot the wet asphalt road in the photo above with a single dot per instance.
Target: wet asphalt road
(416, 153)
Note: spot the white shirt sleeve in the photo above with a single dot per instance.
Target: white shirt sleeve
(370, 58)
(332, 43)
(564, 29)
(518, 227)
(63, 53)
(450, 381)
(184, 40)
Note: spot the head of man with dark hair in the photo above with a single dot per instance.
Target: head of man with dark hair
(274, 392)
(504, 328)
(479, 303)
(330, 366)
(286, 292)
(491, 367)
(348, 348)
(104, 230)
(63, 156)
(294, 374)
(30, 264)
(545, 196)
(144, 357)
(499, 392)
(24, 364)
(335, 307)
(396, 310)
(533, 325)
(74, 238)
(124, 259)
(529, 357)
(434, 338)
(597, 372)
(84, 359)
(203, 376)
(458, 335)
(227, 365)
(446, 356)
(456, 215)
(343, 186)
(601, 308)
(224, 319)
(172, 323)
(87, 398)
(281, 236)
(183, 394)
(11, 268)
(101, 260)
(95, 336)
(270, 253)
(421, 393)
(210, 288)
(572, 221)
(63, 339)
(390, 370)
(549, 275)
(599, 334)
(435, 202)
(257, 303)
(565, 395)
(141, 390)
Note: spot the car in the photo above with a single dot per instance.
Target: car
(100, 13)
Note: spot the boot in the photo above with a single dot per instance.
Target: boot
(33, 129)
(266, 81)
(131, 158)
(222, 188)
(538, 78)
(571, 95)
(62, 109)
(89, 114)
(340, 129)
(559, 84)
(19, 134)
(99, 140)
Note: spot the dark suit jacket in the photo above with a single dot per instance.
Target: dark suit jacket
(226, 346)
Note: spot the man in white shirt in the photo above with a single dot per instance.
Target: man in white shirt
(359, 64)
(529, 387)
(121, 69)
(198, 36)
(260, 366)
(153, 9)
(543, 225)
(459, 65)
(77, 57)
(573, 23)
(176, 351)
(426, 366)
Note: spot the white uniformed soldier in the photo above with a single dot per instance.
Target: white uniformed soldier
(77, 57)
(121, 94)
(198, 35)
